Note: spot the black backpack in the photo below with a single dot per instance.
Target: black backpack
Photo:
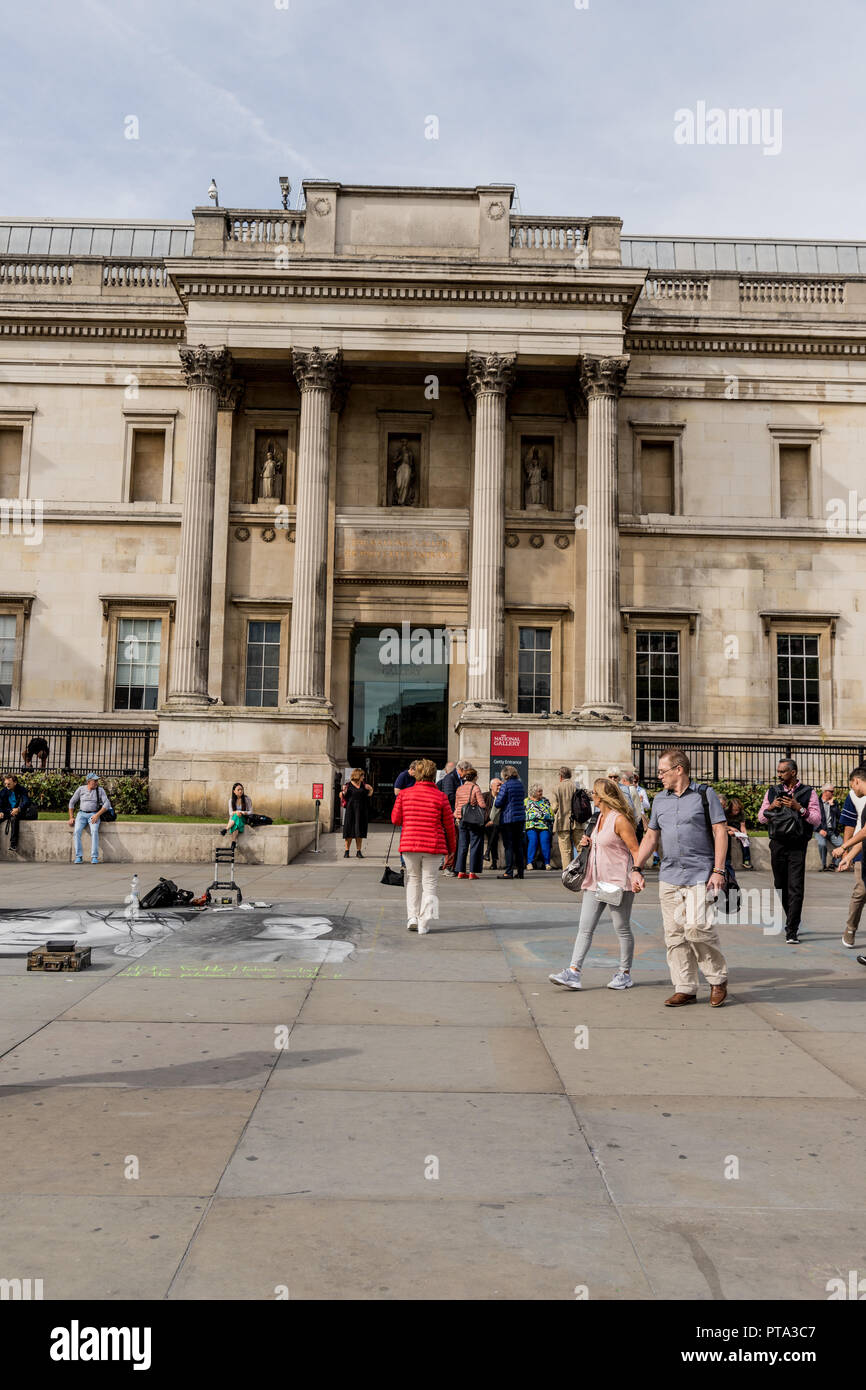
(581, 806)
(165, 894)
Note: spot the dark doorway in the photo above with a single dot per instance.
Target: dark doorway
(398, 704)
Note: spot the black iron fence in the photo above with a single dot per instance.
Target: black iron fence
(110, 750)
(753, 763)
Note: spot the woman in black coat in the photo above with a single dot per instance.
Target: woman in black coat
(356, 817)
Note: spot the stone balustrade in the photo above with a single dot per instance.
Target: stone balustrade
(792, 291)
(257, 228)
(677, 288)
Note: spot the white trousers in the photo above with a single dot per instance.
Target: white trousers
(422, 882)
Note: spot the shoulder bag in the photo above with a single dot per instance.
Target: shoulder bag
(391, 877)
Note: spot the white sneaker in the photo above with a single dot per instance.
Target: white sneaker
(422, 931)
(412, 924)
(568, 977)
(621, 980)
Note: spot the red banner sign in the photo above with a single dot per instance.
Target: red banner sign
(318, 791)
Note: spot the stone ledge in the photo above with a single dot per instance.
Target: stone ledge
(124, 842)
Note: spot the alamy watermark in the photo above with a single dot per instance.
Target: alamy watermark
(22, 516)
(438, 646)
(737, 126)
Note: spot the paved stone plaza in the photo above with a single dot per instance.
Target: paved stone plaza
(302, 1170)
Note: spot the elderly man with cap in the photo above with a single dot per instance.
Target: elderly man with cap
(92, 802)
(827, 833)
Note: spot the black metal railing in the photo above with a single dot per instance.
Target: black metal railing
(753, 763)
(110, 750)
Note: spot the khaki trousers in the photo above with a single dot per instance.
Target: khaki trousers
(566, 840)
(691, 938)
(858, 900)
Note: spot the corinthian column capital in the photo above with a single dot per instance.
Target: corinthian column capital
(603, 376)
(316, 369)
(491, 371)
(204, 366)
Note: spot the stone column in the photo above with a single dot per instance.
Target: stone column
(317, 374)
(490, 376)
(229, 400)
(602, 380)
(206, 371)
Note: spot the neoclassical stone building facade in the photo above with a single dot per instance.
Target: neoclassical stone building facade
(303, 490)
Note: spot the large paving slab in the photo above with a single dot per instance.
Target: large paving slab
(722, 1151)
(340, 1250)
(620, 1061)
(70, 1140)
(143, 1055)
(710, 1254)
(101, 1247)
(843, 1054)
(409, 1145)
(455, 1002)
(377, 1057)
(422, 958)
(198, 1000)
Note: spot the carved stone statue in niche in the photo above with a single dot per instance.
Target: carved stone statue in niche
(537, 474)
(403, 472)
(270, 467)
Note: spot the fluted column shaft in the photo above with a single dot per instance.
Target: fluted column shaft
(490, 378)
(206, 372)
(316, 373)
(602, 379)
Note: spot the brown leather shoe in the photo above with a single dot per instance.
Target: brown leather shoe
(718, 995)
(677, 999)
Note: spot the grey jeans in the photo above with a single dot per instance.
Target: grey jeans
(590, 916)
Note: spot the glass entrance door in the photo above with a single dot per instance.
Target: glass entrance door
(398, 704)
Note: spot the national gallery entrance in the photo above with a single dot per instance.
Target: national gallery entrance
(398, 704)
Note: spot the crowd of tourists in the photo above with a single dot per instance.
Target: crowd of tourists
(611, 833)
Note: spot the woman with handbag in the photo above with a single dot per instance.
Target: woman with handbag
(428, 833)
(610, 881)
(470, 813)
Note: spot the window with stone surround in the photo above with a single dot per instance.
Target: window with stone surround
(657, 468)
(137, 664)
(798, 678)
(263, 664)
(657, 677)
(534, 670)
(11, 445)
(148, 455)
(148, 465)
(794, 463)
(8, 652)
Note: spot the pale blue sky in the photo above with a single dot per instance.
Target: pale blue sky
(574, 106)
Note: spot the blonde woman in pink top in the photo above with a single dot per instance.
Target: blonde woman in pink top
(610, 875)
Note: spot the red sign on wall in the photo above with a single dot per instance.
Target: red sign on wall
(318, 791)
(508, 746)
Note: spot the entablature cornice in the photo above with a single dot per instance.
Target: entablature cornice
(744, 343)
(446, 283)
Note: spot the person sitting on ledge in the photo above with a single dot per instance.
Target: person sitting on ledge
(240, 807)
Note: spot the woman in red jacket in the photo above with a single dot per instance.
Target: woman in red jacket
(428, 833)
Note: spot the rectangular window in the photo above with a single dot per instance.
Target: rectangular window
(263, 664)
(136, 681)
(657, 676)
(8, 626)
(798, 670)
(11, 444)
(148, 465)
(657, 476)
(533, 670)
(794, 463)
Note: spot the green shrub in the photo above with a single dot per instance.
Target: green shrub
(51, 791)
(128, 796)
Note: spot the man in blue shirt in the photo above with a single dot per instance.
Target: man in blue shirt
(853, 823)
(692, 874)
